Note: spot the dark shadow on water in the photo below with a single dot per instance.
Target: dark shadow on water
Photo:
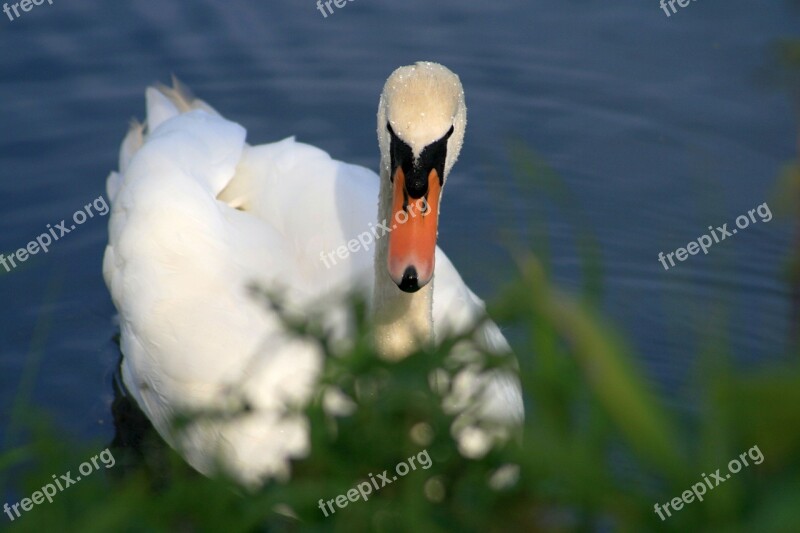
(136, 444)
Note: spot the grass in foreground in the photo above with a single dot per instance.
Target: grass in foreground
(597, 449)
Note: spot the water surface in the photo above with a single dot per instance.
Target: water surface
(659, 127)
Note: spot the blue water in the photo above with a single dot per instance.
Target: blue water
(658, 127)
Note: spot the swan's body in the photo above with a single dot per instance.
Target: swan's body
(198, 217)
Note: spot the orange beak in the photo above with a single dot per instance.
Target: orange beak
(412, 241)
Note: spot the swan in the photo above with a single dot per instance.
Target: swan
(198, 216)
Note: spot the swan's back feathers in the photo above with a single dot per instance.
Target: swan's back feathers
(178, 265)
(182, 98)
(164, 103)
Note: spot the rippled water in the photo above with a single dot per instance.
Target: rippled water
(658, 126)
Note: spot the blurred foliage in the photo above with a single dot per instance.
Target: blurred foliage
(787, 196)
(597, 450)
(789, 52)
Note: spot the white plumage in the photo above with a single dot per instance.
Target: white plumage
(199, 216)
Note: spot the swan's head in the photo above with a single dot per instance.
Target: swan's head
(421, 121)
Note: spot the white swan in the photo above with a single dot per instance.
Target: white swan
(199, 215)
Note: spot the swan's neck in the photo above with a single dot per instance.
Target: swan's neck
(403, 321)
